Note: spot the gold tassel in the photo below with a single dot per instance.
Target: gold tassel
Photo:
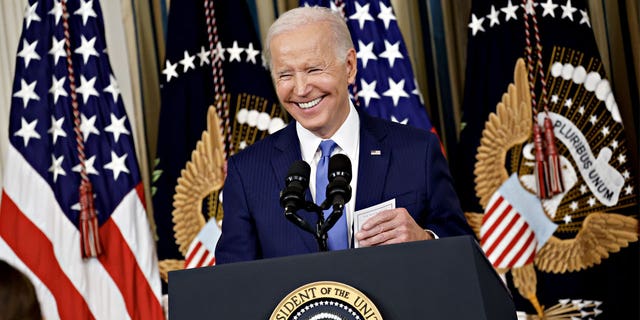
(540, 169)
(553, 160)
(89, 238)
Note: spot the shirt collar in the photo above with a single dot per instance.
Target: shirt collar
(346, 137)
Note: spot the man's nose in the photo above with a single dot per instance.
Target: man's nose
(301, 84)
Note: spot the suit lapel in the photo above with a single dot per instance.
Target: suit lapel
(373, 163)
(287, 152)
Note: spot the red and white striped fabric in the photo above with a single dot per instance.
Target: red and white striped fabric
(37, 238)
(202, 249)
(514, 226)
(68, 125)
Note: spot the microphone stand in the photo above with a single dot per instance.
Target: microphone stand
(322, 226)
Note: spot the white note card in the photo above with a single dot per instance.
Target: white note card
(361, 216)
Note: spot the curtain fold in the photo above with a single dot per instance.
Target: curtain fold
(10, 29)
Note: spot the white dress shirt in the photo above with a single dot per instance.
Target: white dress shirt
(347, 139)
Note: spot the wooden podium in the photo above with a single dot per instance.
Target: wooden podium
(448, 278)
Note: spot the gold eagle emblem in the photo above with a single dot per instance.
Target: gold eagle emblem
(598, 233)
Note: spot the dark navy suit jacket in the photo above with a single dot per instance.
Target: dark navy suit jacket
(409, 167)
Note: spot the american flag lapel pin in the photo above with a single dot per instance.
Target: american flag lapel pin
(376, 152)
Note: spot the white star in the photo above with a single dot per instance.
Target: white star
(56, 167)
(591, 202)
(403, 121)
(626, 174)
(87, 126)
(605, 131)
(529, 7)
(28, 52)
(117, 127)
(88, 165)
(56, 11)
(567, 219)
(568, 103)
(113, 88)
(234, 52)
(56, 129)
(170, 70)
(476, 24)
(365, 52)
(368, 91)
(27, 131)
(585, 18)
(391, 52)
(494, 16)
(396, 90)
(416, 91)
(568, 10)
(57, 49)
(30, 14)
(510, 12)
(57, 88)
(549, 8)
(86, 10)
(219, 54)
(27, 92)
(251, 53)
(87, 88)
(386, 15)
(574, 206)
(117, 165)
(593, 119)
(622, 158)
(334, 7)
(362, 14)
(243, 144)
(554, 98)
(614, 144)
(187, 62)
(583, 189)
(204, 56)
(628, 190)
(581, 110)
(87, 48)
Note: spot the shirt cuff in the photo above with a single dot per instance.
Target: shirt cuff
(433, 234)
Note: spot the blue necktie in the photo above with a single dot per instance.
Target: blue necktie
(338, 234)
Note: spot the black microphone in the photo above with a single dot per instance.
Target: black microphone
(292, 197)
(296, 182)
(339, 189)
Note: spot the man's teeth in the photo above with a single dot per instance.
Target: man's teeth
(310, 104)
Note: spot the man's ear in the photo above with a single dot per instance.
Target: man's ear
(352, 66)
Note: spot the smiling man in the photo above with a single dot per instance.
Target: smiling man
(312, 61)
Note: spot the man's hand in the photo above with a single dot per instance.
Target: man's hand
(391, 226)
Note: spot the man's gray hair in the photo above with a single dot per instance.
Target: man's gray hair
(301, 16)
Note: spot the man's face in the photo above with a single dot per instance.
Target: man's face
(310, 82)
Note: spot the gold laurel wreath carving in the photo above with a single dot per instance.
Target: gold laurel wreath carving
(508, 127)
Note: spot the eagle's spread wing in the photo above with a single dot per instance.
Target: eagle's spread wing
(203, 174)
(601, 234)
(509, 126)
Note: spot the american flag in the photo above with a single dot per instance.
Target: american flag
(385, 85)
(62, 63)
